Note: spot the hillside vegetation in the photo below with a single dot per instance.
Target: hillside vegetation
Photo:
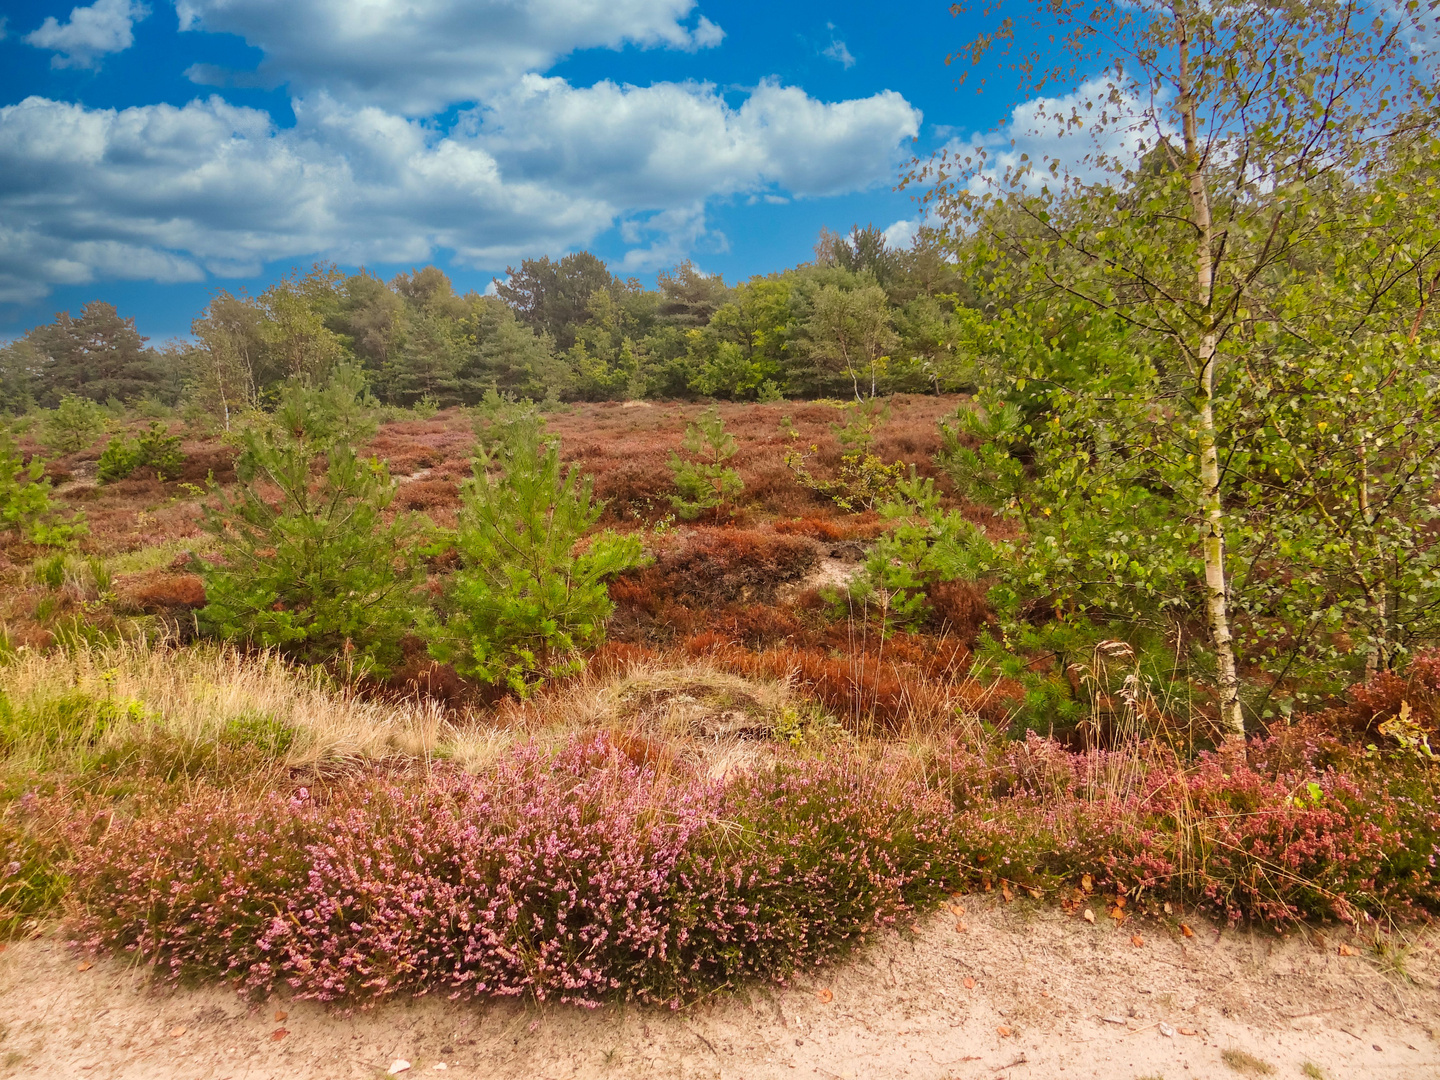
(585, 641)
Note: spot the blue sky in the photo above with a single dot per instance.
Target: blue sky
(153, 152)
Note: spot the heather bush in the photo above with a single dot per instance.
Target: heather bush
(580, 875)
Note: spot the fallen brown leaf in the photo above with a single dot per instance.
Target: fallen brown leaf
(1117, 914)
(958, 909)
(1168, 909)
(1186, 931)
(1035, 894)
(1346, 950)
(281, 1014)
(1004, 1032)
(961, 928)
(1187, 1031)
(176, 1032)
(1006, 892)
(1120, 901)
(84, 965)
(1137, 940)
(278, 1034)
(969, 983)
(825, 996)
(1087, 882)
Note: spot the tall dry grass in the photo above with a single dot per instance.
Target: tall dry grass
(193, 695)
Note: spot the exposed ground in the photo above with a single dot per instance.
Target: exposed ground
(1076, 1000)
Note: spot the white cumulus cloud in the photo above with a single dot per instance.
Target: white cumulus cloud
(417, 57)
(171, 193)
(106, 26)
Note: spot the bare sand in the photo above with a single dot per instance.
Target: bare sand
(1020, 992)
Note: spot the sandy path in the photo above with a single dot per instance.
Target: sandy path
(902, 1009)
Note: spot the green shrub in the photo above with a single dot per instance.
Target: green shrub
(119, 459)
(156, 448)
(525, 601)
(319, 575)
(25, 500)
(74, 424)
(862, 480)
(705, 483)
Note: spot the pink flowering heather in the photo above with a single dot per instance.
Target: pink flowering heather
(584, 875)
(580, 876)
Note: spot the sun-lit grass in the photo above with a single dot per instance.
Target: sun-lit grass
(206, 695)
(156, 556)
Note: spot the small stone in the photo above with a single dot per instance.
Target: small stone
(1167, 1030)
(398, 1066)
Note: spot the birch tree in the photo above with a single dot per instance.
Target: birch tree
(1211, 152)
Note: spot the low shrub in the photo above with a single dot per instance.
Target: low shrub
(720, 566)
(607, 870)
(25, 507)
(705, 481)
(582, 875)
(155, 449)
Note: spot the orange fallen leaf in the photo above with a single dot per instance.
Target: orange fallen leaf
(1004, 1032)
(1137, 940)
(826, 996)
(278, 1034)
(84, 965)
(961, 928)
(1035, 894)
(958, 909)
(1186, 931)
(1346, 950)
(1117, 914)
(1006, 892)
(1187, 1031)
(176, 1032)
(281, 1014)
(1120, 901)
(969, 983)
(1088, 916)
(1087, 882)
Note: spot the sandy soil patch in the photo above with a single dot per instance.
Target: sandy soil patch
(1018, 994)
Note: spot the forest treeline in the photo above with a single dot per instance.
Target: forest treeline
(862, 318)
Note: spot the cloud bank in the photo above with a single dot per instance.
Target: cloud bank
(171, 194)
